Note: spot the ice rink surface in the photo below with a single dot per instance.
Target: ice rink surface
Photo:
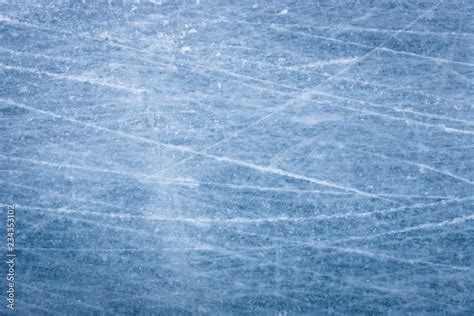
(239, 158)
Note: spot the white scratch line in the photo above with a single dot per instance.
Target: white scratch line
(239, 220)
(424, 166)
(314, 91)
(41, 56)
(75, 78)
(427, 226)
(185, 149)
(440, 127)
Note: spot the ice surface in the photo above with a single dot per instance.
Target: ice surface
(274, 158)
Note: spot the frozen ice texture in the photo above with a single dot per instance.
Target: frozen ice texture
(239, 158)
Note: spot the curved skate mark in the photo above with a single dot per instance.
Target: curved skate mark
(329, 246)
(392, 34)
(440, 127)
(186, 182)
(185, 149)
(81, 79)
(427, 226)
(234, 253)
(417, 164)
(313, 91)
(237, 221)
